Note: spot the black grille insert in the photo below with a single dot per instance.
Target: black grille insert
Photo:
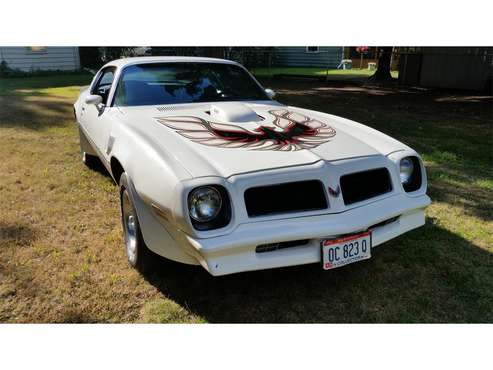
(282, 245)
(360, 186)
(296, 196)
(383, 223)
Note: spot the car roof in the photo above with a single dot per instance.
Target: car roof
(120, 63)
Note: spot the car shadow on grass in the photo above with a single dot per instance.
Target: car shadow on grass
(99, 167)
(428, 275)
(35, 112)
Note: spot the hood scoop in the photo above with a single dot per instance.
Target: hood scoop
(233, 113)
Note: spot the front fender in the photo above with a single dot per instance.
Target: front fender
(155, 174)
(156, 236)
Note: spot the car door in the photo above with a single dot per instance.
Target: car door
(97, 118)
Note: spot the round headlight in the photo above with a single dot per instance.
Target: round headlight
(204, 203)
(406, 169)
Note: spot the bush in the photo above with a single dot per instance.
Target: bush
(7, 72)
(90, 57)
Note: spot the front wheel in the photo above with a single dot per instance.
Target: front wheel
(137, 252)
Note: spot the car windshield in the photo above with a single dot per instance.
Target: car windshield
(175, 83)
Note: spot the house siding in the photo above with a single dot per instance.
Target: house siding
(52, 58)
(296, 56)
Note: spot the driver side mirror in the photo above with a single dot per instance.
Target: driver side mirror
(94, 100)
(270, 93)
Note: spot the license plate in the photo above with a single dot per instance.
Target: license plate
(345, 250)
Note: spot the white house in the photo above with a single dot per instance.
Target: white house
(33, 58)
(308, 56)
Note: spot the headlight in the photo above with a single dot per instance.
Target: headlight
(406, 170)
(410, 173)
(204, 203)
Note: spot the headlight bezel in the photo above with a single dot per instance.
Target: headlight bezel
(415, 180)
(223, 216)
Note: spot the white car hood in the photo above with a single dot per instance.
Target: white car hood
(196, 135)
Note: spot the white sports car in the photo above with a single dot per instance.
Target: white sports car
(212, 171)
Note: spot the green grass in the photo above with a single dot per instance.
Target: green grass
(61, 251)
(306, 71)
(44, 85)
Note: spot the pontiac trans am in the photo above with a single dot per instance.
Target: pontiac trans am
(213, 171)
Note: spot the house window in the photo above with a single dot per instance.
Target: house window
(312, 49)
(37, 49)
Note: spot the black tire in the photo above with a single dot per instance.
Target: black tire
(91, 161)
(138, 255)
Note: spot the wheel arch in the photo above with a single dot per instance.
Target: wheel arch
(116, 169)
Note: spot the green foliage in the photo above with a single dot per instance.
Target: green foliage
(90, 57)
(4, 69)
(111, 53)
(95, 57)
(7, 72)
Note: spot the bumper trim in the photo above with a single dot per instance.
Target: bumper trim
(235, 252)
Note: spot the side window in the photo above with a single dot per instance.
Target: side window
(103, 86)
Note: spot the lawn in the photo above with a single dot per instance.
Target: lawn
(62, 257)
(45, 85)
(317, 72)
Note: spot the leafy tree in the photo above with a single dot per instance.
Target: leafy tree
(116, 52)
(90, 57)
(94, 57)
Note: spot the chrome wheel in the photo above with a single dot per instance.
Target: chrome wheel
(138, 255)
(129, 228)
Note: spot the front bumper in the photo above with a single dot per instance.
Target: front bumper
(235, 252)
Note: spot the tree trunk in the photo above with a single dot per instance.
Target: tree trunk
(383, 69)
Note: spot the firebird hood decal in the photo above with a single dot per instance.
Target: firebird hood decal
(185, 134)
(290, 131)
